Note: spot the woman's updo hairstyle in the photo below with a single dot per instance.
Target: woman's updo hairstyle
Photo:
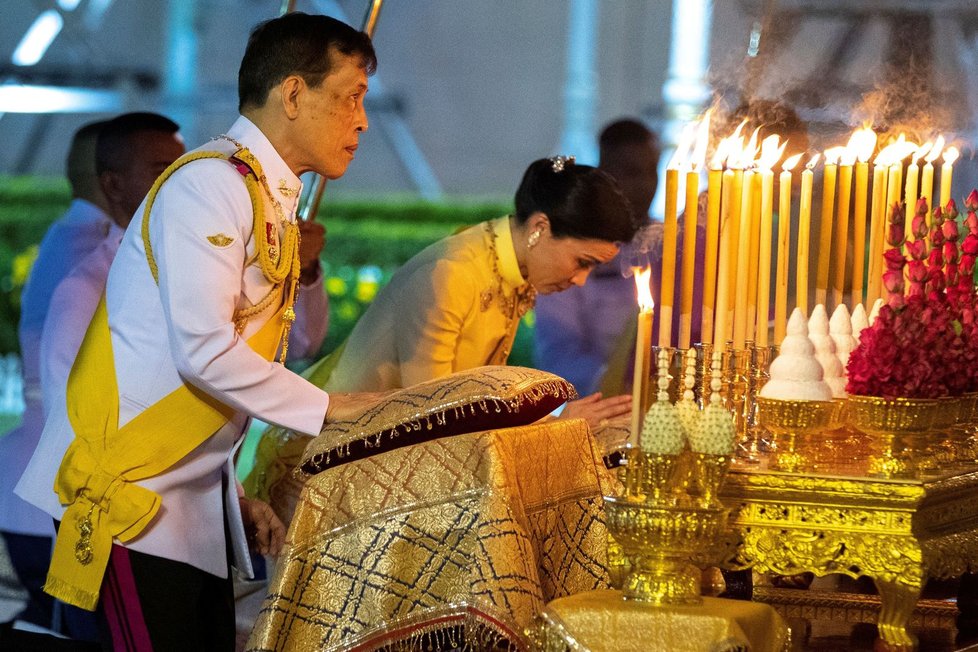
(580, 201)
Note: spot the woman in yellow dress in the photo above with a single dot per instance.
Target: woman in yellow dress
(457, 304)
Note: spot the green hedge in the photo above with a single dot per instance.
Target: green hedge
(366, 242)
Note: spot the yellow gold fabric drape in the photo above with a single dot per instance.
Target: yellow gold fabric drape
(602, 621)
(464, 538)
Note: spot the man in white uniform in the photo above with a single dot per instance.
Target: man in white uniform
(195, 284)
(26, 530)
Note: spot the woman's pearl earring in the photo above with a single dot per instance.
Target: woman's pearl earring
(532, 240)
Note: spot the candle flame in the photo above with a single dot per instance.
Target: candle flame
(860, 147)
(936, 150)
(642, 286)
(771, 150)
(681, 155)
(950, 155)
(921, 151)
(896, 151)
(790, 162)
(813, 162)
(749, 153)
(720, 154)
(833, 154)
(735, 151)
(702, 140)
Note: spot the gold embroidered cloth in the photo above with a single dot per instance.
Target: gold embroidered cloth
(602, 621)
(458, 541)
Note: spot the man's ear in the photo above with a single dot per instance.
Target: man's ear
(111, 185)
(291, 90)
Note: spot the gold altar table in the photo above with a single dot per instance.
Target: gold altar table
(602, 621)
(900, 533)
(452, 543)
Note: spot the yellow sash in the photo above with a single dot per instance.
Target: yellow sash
(97, 474)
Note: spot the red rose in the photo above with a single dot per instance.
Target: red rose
(917, 272)
(950, 230)
(971, 202)
(894, 259)
(951, 210)
(917, 249)
(950, 252)
(970, 245)
(894, 235)
(918, 226)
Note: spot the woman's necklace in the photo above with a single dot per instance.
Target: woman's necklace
(515, 305)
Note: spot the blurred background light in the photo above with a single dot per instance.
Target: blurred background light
(38, 38)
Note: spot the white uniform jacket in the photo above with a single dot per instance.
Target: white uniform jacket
(181, 330)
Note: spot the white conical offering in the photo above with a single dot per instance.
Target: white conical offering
(832, 370)
(662, 431)
(860, 321)
(796, 374)
(714, 433)
(874, 313)
(840, 328)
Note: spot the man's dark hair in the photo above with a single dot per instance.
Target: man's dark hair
(579, 200)
(80, 162)
(626, 132)
(113, 148)
(297, 44)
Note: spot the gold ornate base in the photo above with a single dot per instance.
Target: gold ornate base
(659, 540)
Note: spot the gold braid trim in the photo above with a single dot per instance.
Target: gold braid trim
(288, 266)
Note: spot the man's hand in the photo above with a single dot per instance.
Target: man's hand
(264, 530)
(596, 410)
(344, 407)
(312, 240)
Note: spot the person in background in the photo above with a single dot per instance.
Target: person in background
(133, 150)
(186, 344)
(26, 530)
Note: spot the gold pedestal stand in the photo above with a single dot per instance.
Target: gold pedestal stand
(790, 420)
(898, 429)
(661, 529)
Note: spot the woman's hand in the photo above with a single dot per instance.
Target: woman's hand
(265, 532)
(596, 410)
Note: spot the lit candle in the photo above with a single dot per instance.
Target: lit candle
(842, 225)
(877, 226)
(710, 256)
(910, 185)
(743, 254)
(771, 151)
(740, 278)
(643, 352)
(689, 231)
(859, 227)
(689, 258)
(724, 255)
(669, 242)
(784, 244)
(753, 263)
(825, 228)
(764, 257)
(736, 201)
(804, 235)
(927, 177)
(950, 156)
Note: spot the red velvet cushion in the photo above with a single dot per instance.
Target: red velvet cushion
(483, 398)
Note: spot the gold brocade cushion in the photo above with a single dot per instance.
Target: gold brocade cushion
(477, 399)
